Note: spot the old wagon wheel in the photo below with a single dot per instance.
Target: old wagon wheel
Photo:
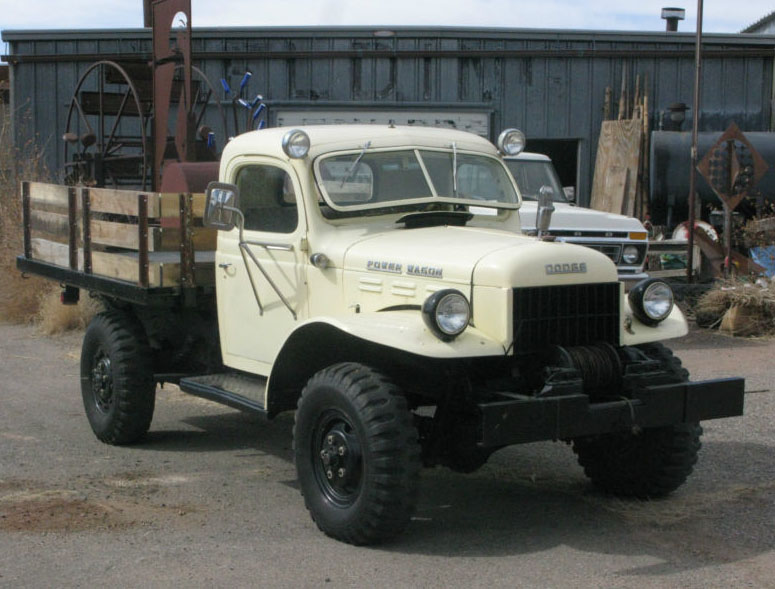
(105, 138)
(200, 103)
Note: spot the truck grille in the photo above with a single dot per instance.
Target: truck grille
(612, 251)
(572, 315)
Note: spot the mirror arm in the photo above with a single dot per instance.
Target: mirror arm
(245, 248)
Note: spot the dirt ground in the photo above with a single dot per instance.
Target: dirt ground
(210, 499)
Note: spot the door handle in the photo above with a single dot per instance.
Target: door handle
(224, 265)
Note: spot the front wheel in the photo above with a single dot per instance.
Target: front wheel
(117, 383)
(357, 454)
(646, 465)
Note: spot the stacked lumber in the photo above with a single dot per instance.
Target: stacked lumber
(620, 183)
(149, 239)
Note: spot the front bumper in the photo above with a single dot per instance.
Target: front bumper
(521, 419)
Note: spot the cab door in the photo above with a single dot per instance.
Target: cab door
(261, 279)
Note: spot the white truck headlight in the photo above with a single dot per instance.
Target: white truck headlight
(651, 300)
(446, 313)
(630, 254)
(296, 144)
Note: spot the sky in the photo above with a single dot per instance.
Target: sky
(720, 16)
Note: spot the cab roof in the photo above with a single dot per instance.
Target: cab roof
(328, 138)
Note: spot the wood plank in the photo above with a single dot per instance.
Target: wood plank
(54, 253)
(618, 157)
(54, 223)
(163, 268)
(170, 205)
(125, 235)
(43, 195)
(203, 239)
(121, 202)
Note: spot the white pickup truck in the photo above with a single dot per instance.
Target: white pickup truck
(621, 238)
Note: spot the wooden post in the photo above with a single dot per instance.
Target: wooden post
(86, 210)
(142, 235)
(26, 213)
(72, 222)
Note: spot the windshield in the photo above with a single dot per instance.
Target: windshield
(531, 175)
(379, 179)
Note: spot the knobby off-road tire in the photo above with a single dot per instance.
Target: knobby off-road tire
(117, 378)
(647, 464)
(357, 454)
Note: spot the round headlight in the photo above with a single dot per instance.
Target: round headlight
(630, 254)
(651, 300)
(296, 143)
(446, 313)
(511, 142)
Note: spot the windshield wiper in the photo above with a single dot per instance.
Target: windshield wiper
(349, 174)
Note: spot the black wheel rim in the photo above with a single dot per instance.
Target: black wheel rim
(337, 458)
(102, 382)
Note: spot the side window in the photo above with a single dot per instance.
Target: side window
(267, 199)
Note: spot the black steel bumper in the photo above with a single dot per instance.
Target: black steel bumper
(521, 419)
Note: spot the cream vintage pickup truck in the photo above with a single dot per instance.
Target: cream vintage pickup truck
(621, 238)
(375, 280)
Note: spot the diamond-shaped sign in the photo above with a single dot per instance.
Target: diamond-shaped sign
(732, 167)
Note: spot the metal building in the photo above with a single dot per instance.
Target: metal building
(549, 83)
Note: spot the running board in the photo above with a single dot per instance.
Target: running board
(229, 388)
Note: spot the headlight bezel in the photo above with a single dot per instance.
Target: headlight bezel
(637, 255)
(291, 146)
(640, 305)
(441, 300)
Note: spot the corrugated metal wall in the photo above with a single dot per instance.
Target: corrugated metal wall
(551, 84)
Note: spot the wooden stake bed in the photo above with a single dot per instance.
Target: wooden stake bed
(149, 240)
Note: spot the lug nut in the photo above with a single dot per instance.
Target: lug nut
(330, 439)
(329, 474)
(341, 473)
(341, 450)
(323, 454)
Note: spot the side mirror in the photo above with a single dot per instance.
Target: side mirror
(570, 193)
(221, 206)
(545, 209)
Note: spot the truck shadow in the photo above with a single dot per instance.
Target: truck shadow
(534, 498)
(722, 514)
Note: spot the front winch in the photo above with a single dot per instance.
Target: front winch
(599, 367)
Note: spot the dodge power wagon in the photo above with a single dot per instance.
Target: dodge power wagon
(375, 280)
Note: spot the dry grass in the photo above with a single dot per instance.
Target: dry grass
(28, 299)
(53, 317)
(757, 299)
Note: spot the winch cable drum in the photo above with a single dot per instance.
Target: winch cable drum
(599, 366)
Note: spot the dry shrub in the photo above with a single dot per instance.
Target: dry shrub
(19, 297)
(53, 317)
(757, 299)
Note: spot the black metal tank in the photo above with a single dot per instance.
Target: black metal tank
(669, 178)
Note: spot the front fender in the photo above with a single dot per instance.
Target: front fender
(392, 340)
(634, 332)
(406, 331)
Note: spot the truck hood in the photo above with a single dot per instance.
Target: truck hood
(568, 217)
(486, 257)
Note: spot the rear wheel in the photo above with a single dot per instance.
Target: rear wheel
(645, 464)
(357, 454)
(117, 378)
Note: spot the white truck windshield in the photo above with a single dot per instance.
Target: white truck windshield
(531, 175)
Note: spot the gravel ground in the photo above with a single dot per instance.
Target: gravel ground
(211, 499)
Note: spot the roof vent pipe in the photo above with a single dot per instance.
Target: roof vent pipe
(672, 16)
